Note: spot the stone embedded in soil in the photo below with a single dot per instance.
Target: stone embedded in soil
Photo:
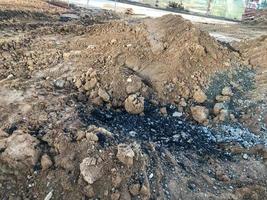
(125, 154)
(199, 96)
(104, 95)
(59, 83)
(134, 104)
(91, 169)
(227, 91)
(46, 162)
(200, 113)
(20, 148)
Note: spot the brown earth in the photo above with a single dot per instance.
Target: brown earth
(64, 133)
(260, 18)
(30, 5)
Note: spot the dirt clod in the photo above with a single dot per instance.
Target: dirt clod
(200, 113)
(91, 169)
(199, 96)
(134, 104)
(125, 154)
(20, 148)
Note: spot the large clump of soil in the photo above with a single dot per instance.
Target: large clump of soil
(166, 58)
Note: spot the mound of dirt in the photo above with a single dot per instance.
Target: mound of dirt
(254, 53)
(164, 58)
(56, 144)
(260, 18)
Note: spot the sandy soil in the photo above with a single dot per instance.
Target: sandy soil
(97, 107)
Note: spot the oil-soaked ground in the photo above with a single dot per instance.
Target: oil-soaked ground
(173, 133)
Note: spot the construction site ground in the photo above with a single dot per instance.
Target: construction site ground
(97, 104)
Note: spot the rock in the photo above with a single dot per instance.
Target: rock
(91, 136)
(89, 191)
(115, 196)
(89, 85)
(49, 195)
(80, 135)
(200, 113)
(134, 189)
(104, 95)
(134, 104)
(245, 156)
(113, 41)
(46, 162)
(163, 111)
(199, 96)
(10, 76)
(221, 98)
(20, 148)
(125, 154)
(177, 114)
(91, 169)
(134, 84)
(227, 91)
(59, 83)
(182, 102)
(218, 107)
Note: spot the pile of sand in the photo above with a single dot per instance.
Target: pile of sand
(260, 18)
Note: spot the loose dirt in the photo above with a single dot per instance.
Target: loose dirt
(97, 107)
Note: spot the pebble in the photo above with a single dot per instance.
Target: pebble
(59, 83)
(227, 91)
(245, 156)
(49, 195)
(199, 96)
(177, 114)
(200, 113)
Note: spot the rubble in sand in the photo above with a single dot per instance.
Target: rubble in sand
(124, 109)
